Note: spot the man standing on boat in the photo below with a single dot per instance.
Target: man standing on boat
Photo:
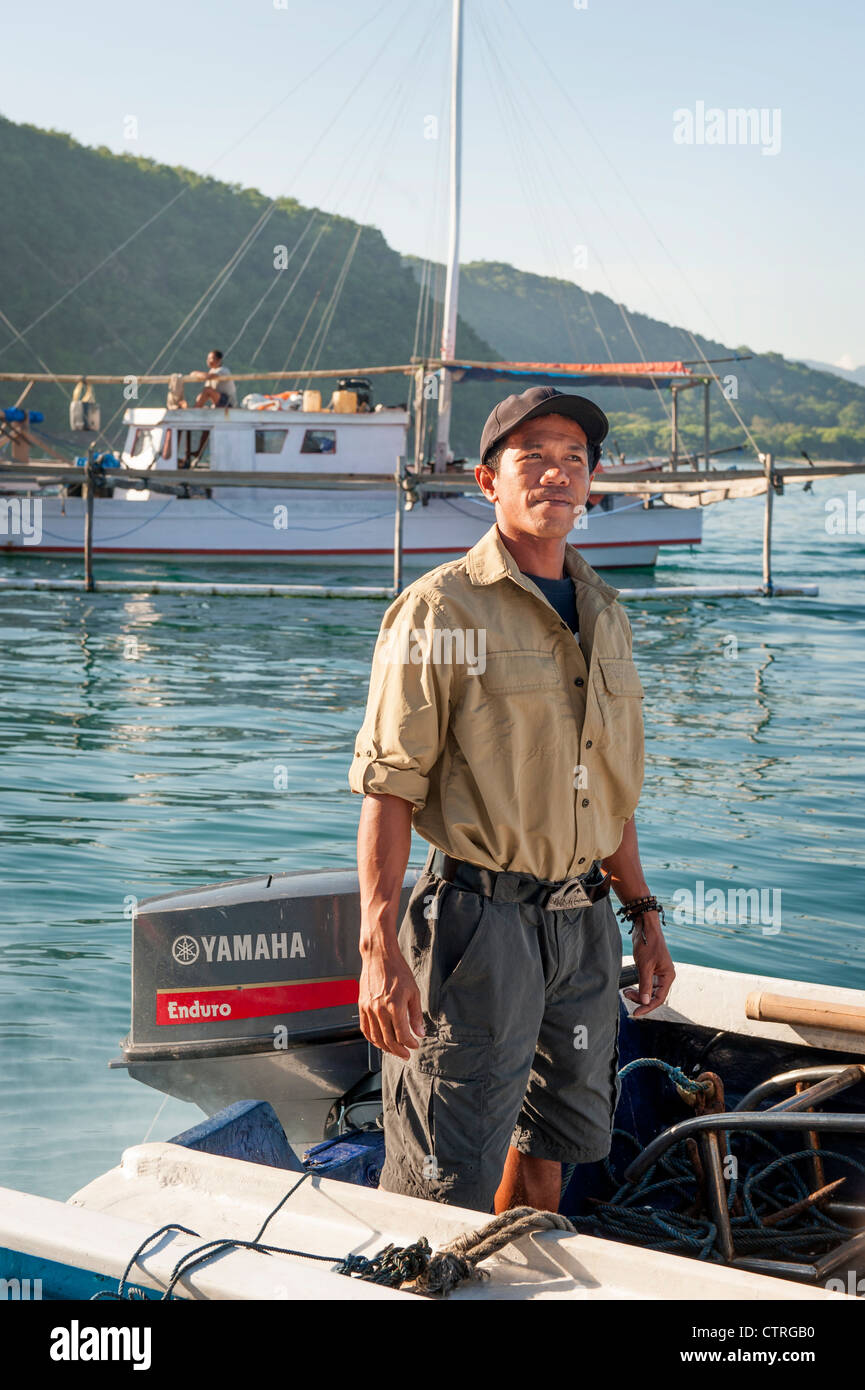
(504, 722)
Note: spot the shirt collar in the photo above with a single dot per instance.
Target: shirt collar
(490, 560)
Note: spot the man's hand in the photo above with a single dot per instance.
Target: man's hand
(654, 963)
(389, 1001)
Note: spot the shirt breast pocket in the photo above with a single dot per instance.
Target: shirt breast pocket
(508, 673)
(620, 692)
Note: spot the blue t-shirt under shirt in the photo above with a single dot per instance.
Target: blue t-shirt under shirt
(560, 593)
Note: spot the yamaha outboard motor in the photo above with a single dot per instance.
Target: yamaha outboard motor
(248, 991)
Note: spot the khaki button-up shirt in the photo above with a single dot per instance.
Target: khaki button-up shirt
(519, 747)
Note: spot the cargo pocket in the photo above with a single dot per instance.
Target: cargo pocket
(458, 959)
(456, 1069)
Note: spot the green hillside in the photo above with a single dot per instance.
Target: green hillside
(128, 247)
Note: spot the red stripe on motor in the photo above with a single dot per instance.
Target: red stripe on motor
(252, 1001)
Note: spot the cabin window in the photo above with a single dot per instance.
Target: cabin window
(142, 442)
(193, 448)
(270, 441)
(319, 442)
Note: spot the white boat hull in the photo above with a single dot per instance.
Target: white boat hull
(94, 1235)
(324, 528)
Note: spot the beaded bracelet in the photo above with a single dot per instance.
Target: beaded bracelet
(636, 907)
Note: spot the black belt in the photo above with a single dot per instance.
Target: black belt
(588, 888)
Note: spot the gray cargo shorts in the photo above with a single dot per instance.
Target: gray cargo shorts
(521, 1012)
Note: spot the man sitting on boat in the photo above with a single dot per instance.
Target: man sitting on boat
(220, 389)
(504, 723)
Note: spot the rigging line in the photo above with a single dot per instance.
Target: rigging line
(424, 275)
(226, 271)
(311, 150)
(271, 286)
(290, 289)
(615, 297)
(384, 46)
(61, 386)
(224, 275)
(330, 308)
(218, 284)
(642, 214)
(327, 278)
(297, 339)
(609, 221)
(10, 325)
(435, 235)
(529, 177)
(432, 226)
(616, 300)
(593, 138)
(101, 434)
(433, 348)
(399, 102)
(428, 336)
(186, 187)
(89, 307)
(531, 188)
(349, 161)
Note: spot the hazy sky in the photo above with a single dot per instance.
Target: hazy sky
(571, 167)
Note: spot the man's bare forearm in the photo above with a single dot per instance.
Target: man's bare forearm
(625, 868)
(383, 847)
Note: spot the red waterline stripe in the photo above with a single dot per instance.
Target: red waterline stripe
(252, 1001)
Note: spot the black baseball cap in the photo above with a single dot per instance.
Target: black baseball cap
(545, 400)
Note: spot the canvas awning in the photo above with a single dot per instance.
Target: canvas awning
(642, 374)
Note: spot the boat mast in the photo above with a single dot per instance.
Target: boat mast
(449, 317)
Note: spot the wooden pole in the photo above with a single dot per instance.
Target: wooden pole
(768, 461)
(674, 424)
(89, 488)
(707, 386)
(398, 526)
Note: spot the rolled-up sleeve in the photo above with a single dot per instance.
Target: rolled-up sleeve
(405, 727)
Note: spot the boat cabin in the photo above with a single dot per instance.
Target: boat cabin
(282, 441)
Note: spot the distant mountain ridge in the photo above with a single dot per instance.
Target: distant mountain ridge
(856, 374)
(69, 207)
